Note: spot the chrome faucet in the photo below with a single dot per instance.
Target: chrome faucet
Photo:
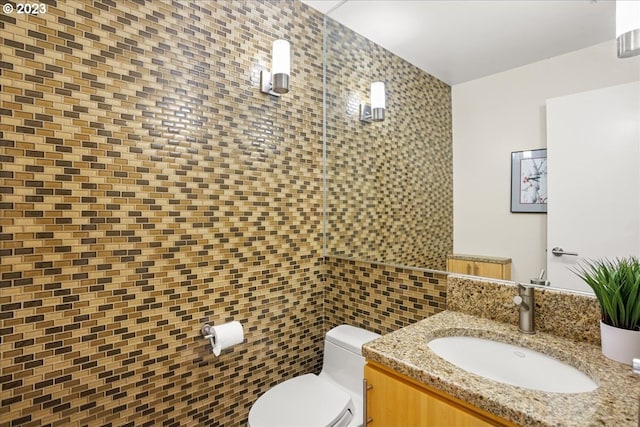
(526, 301)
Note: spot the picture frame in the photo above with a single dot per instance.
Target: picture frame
(529, 181)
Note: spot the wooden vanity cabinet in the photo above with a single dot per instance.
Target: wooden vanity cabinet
(491, 267)
(394, 400)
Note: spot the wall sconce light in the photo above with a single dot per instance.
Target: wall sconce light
(375, 111)
(628, 28)
(276, 82)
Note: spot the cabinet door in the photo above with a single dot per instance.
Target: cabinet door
(393, 402)
(489, 269)
(460, 266)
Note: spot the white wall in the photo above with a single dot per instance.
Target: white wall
(505, 112)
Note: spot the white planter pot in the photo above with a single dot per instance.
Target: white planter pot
(621, 345)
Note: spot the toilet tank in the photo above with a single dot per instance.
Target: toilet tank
(343, 361)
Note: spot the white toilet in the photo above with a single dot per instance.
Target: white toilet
(331, 399)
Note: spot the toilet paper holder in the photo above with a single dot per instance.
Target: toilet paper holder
(206, 332)
(223, 336)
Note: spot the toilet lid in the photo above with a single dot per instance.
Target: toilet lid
(304, 401)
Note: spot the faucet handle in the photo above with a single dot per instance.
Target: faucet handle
(519, 302)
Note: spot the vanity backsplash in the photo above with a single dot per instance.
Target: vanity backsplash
(561, 313)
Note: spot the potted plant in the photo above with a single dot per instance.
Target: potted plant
(616, 285)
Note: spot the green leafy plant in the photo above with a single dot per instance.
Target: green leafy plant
(617, 288)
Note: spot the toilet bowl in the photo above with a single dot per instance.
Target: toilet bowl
(331, 399)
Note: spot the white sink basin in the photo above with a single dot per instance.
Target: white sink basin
(510, 364)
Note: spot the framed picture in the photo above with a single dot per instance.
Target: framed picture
(529, 181)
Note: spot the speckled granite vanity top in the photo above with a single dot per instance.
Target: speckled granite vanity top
(614, 403)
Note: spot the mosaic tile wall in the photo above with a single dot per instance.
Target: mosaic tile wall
(148, 187)
(390, 183)
(380, 298)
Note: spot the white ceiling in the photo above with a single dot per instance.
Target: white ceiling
(462, 40)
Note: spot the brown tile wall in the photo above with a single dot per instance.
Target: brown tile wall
(378, 297)
(389, 183)
(148, 187)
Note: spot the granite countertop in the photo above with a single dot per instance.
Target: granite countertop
(614, 403)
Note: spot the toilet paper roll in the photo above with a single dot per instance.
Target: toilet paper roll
(226, 335)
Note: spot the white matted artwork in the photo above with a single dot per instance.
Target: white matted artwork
(529, 181)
